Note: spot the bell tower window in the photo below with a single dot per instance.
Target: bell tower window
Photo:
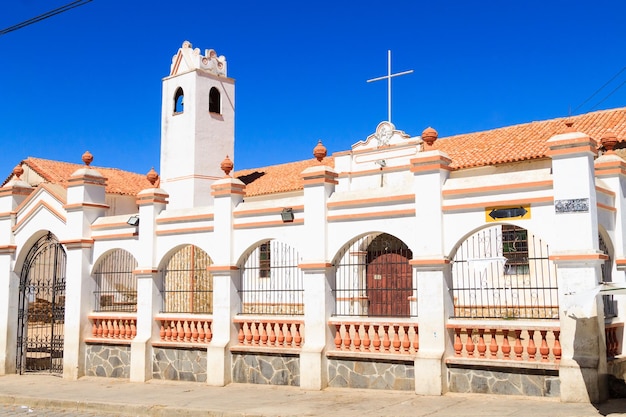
(215, 101)
(179, 104)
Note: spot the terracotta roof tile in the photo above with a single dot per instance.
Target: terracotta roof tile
(56, 172)
(525, 141)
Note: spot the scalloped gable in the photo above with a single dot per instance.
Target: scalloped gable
(37, 170)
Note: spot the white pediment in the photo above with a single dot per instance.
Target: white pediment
(385, 136)
(187, 59)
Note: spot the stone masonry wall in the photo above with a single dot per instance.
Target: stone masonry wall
(537, 383)
(375, 375)
(112, 361)
(179, 364)
(266, 369)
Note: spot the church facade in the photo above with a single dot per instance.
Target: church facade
(471, 263)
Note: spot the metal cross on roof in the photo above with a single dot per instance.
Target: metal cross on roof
(388, 78)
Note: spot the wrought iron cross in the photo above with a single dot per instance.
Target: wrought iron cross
(388, 78)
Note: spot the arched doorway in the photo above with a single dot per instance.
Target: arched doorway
(41, 314)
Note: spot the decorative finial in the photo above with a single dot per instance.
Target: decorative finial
(227, 166)
(429, 135)
(609, 140)
(320, 151)
(152, 176)
(18, 171)
(87, 158)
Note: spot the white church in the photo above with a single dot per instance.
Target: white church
(489, 262)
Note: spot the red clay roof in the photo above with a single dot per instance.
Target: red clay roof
(525, 141)
(56, 172)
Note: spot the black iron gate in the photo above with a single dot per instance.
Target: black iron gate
(41, 312)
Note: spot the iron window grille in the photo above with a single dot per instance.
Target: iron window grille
(373, 278)
(116, 287)
(504, 271)
(610, 308)
(271, 281)
(187, 283)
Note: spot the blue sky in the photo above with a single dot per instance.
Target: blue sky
(90, 78)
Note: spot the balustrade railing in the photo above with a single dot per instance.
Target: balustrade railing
(376, 337)
(270, 332)
(518, 342)
(613, 332)
(185, 329)
(116, 328)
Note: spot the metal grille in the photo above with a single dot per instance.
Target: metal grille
(41, 313)
(610, 308)
(271, 282)
(116, 288)
(187, 284)
(373, 278)
(504, 272)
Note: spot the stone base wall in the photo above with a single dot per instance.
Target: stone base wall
(111, 361)
(391, 375)
(179, 364)
(507, 381)
(266, 369)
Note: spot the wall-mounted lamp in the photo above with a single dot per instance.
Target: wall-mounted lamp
(381, 162)
(133, 221)
(287, 214)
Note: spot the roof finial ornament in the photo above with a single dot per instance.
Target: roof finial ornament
(429, 135)
(87, 158)
(18, 171)
(320, 152)
(609, 140)
(227, 166)
(152, 176)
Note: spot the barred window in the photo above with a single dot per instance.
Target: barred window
(271, 281)
(504, 271)
(610, 305)
(187, 284)
(116, 287)
(373, 278)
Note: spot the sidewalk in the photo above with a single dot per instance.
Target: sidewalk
(158, 398)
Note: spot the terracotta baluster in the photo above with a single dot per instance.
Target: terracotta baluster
(108, 330)
(174, 331)
(264, 336)
(127, 329)
(186, 331)
(248, 332)
(281, 336)
(338, 339)
(94, 329)
(346, 338)
(506, 347)
(194, 331)
(482, 347)
(202, 334)
(272, 335)
(458, 345)
(493, 344)
(288, 336)
(518, 348)
(208, 334)
(98, 328)
(469, 344)
(406, 343)
(544, 350)
(416, 340)
(366, 338)
(357, 339)
(396, 339)
(376, 339)
(531, 348)
(386, 341)
(241, 336)
(557, 347)
(117, 329)
(168, 330)
(297, 339)
(133, 329)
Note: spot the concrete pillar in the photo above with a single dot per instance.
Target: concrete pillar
(319, 184)
(85, 203)
(227, 193)
(574, 250)
(11, 195)
(151, 202)
(432, 271)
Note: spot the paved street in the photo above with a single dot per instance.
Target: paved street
(26, 411)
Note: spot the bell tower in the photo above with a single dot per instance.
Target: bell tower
(197, 126)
